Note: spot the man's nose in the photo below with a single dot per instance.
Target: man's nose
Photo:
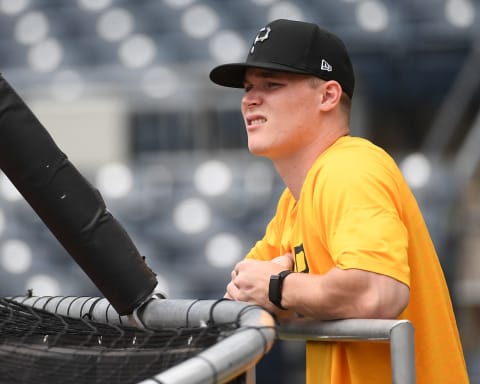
(251, 98)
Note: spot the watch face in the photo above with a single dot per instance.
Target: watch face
(275, 288)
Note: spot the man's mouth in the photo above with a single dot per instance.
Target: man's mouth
(256, 121)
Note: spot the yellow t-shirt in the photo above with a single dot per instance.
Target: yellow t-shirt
(356, 211)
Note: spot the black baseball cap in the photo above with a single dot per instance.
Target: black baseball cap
(293, 46)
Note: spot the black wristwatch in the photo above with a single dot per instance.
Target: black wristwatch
(275, 288)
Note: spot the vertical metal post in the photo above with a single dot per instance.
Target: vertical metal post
(402, 350)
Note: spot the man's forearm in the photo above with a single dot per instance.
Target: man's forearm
(341, 294)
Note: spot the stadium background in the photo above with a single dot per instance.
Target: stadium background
(123, 88)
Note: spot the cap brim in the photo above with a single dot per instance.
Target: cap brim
(233, 75)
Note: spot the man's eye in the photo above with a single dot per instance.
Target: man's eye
(271, 85)
(267, 85)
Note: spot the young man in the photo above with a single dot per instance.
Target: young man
(348, 239)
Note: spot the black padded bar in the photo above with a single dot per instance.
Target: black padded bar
(69, 206)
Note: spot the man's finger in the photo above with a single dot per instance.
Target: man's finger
(284, 260)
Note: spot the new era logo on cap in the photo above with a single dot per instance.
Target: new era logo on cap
(325, 66)
(295, 47)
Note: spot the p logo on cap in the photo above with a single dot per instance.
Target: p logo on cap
(261, 37)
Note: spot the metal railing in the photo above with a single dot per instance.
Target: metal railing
(399, 333)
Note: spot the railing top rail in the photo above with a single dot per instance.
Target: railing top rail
(339, 330)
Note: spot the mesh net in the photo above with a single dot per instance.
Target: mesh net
(40, 347)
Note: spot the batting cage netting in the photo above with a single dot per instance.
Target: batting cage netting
(83, 340)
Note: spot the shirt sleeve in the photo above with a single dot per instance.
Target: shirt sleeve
(359, 202)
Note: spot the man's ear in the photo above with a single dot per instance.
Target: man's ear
(331, 95)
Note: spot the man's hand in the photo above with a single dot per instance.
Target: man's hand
(251, 278)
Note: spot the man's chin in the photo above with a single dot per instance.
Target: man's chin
(257, 151)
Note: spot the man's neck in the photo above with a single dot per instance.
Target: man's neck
(294, 169)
